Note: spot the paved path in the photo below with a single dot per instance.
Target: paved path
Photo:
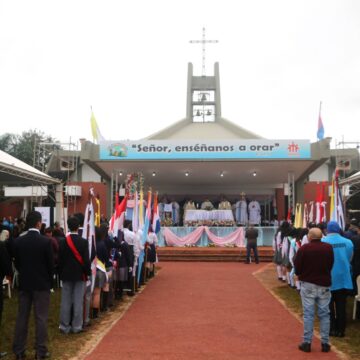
(206, 311)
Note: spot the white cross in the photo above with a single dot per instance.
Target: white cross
(203, 42)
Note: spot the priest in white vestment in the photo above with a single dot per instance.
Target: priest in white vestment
(254, 213)
(241, 211)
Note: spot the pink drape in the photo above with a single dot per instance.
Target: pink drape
(235, 238)
(190, 239)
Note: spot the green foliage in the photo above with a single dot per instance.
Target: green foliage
(27, 147)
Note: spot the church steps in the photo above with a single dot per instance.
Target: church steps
(210, 254)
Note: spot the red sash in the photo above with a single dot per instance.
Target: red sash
(75, 253)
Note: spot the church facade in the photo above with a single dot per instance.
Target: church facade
(205, 156)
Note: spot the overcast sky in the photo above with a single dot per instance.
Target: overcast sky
(128, 59)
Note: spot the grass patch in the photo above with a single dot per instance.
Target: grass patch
(349, 345)
(60, 346)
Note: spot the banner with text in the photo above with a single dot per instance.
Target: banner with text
(192, 149)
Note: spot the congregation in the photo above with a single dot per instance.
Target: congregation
(36, 259)
(322, 263)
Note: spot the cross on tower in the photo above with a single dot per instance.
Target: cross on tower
(203, 42)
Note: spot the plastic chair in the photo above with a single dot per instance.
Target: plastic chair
(6, 282)
(357, 297)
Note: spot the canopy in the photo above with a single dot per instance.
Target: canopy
(15, 172)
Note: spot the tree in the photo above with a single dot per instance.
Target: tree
(8, 142)
(29, 147)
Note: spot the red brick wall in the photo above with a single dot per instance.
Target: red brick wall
(78, 204)
(11, 207)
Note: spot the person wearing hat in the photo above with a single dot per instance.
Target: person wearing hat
(313, 264)
(341, 281)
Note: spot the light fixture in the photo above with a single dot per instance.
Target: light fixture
(186, 173)
(222, 174)
(254, 173)
(154, 173)
(121, 173)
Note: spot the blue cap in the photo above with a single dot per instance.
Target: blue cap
(333, 227)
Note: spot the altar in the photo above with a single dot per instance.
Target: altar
(222, 236)
(212, 216)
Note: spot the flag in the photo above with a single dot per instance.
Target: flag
(319, 215)
(117, 220)
(145, 233)
(336, 208)
(89, 222)
(135, 214)
(320, 130)
(298, 216)
(305, 217)
(311, 212)
(98, 211)
(156, 217)
(96, 134)
(89, 233)
(141, 210)
(288, 217)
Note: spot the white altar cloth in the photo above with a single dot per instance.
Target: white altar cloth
(201, 215)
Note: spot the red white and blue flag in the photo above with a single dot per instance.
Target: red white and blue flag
(156, 217)
(117, 220)
(320, 130)
(145, 233)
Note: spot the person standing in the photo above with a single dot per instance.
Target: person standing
(313, 264)
(251, 235)
(5, 270)
(34, 261)
(341, 281)
(74, 269)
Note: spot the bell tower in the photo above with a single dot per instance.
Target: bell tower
(203, 92)
(203, 96)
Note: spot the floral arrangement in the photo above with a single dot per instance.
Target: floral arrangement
(230, 245)
(167, 222)
(194, 223)
(210, 244)
(190, 245)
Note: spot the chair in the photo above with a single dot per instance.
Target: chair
(6, 282)
(357, 297)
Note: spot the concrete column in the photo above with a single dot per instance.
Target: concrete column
(59, 205)
(25, 207)
(189, 110)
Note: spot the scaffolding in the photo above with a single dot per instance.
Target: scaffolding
(67, 164)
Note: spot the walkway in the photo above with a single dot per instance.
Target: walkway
(206, 311)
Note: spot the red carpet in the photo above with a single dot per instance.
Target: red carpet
(206, 311)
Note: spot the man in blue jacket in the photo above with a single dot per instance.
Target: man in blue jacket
(341, 281)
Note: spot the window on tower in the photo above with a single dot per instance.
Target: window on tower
(203, 113)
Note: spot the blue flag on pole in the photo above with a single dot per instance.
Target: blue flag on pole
(320, 131)
(145, 234)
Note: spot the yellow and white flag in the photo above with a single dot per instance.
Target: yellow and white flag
(95, 129)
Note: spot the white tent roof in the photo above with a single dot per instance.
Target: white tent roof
(14, 171)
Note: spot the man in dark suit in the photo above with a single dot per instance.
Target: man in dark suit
(74, 269)
(251, 235)
(5, 269)
(34, 261)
